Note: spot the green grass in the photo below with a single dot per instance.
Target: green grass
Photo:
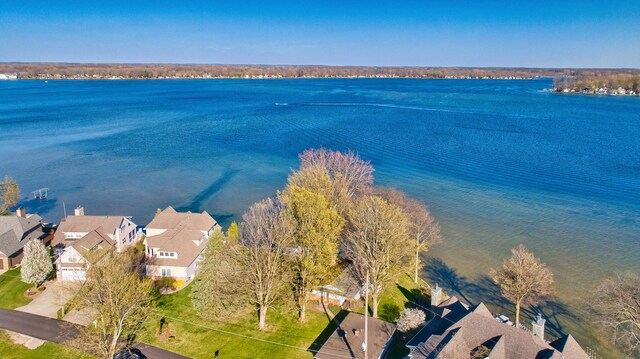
(10, 350)
(197, 338)
(12, 290)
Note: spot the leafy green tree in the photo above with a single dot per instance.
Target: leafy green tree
(316, 230)
(232, 232)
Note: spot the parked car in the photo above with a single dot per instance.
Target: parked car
(129, 353)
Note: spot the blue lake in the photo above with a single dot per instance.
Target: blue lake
(498, 162)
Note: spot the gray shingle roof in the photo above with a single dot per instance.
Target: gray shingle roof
(16, 231)
(344, 342)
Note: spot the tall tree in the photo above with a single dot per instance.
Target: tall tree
(232, 232)
(9, 194)
(36, 263)
(617, 306)
(524, 279)
(423, 229)
(316, 229)
(118, 299)
(213, 293)
(263, 237)
(378, 242)
(350, 175)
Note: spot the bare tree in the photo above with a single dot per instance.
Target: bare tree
(524, 279)
(263, 237)
(9, 194)
(378, 241)
(350, 175)
(423, 229)
(118, 300)
(617, 306)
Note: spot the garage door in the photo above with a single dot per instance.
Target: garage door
(73, 274)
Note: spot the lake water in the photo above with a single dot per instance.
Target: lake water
(499, 162)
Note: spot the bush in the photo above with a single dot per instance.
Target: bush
(178, 283)
(410, 318)
(165, 282)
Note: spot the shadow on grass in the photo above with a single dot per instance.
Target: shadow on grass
(326, 333)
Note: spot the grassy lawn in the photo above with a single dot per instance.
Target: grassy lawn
(12, 290)
(197, 338)
(9, 350)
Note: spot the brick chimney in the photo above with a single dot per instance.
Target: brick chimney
(21, 212)
(537, 327)
(436, 296)
(79, 211)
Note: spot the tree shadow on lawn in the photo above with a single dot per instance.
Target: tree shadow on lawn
(326, 333)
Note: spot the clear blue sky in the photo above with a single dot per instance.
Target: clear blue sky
(535, 33)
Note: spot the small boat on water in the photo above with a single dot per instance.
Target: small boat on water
(281, 104)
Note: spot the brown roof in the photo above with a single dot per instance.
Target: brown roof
(180, 241)
(569, 347)
(170, 219)
(86, 224)
(457, 328)
(95, 243)
(346, 340)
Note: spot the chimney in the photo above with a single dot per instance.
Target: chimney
(436, 296)
(537, 327)
(79, 211)
(21, 212)
(356, 332)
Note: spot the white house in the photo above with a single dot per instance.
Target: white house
(73, 263)
(79, 231)
(176, 241)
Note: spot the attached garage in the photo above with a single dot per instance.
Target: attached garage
(73, 274)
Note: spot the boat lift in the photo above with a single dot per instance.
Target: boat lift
(40, 193)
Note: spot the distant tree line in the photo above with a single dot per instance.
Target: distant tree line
(151, 71)
(592, 81)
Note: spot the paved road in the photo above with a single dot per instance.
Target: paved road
(59, 331)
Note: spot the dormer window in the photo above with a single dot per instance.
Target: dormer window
(167, 254)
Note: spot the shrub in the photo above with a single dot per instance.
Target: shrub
(410, 318)
(165, 282)
(178, 283)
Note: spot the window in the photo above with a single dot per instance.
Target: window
(166, 272)
(167, 254)
(73, 258)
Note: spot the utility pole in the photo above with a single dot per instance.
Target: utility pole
(366, 317)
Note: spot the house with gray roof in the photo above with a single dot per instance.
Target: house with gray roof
(347, 340)
(457, 330)
(176, 241)
(344, 290)
(15, 231)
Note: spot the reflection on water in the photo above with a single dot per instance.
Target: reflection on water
(499, 162)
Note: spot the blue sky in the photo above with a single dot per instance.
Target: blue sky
(406, 33)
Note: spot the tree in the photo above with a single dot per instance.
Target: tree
(316, 229)
(9, 194)
(36, 263)
(617, 306)
(423, 229)
(211, 294)
(378, 242)
(524, 279)
(120, 300)
(232, 232)
(410, 318)
(350, 175)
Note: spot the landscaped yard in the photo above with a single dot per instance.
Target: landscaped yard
(9, 350)
(198, 338)
(12, 290)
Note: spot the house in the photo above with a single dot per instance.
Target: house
(120, 229)
(175, 243)
(15, 231)
(347, 341)
(73, 263)
(345, 290)
(457, 330)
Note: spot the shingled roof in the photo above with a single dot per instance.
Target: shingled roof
(16, 231)
(457, 328)
(170, 219)
(86, 224)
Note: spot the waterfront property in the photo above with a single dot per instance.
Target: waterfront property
(457, 329)
(344, 291)
(71, 247)
(15, 231)
(175, 243)
(348, 339)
